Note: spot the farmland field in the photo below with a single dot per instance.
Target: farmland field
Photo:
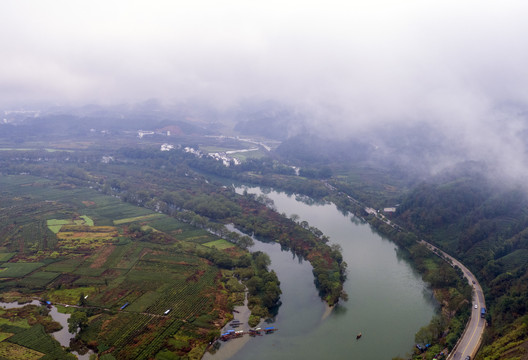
(35, 339)
(5, 335)
(74, 246)
(15, 352)
(137, 218)
(19, 269)
(219, 244)
(6, 256)
(39, 279)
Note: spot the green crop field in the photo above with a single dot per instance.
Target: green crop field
(220, 244)
(118, 253)
(88, 271)
(244, 156)
(56, 225)
(107, 210)
(167, 224)
(17, 352)
(137, 218)
(5, 335)
(144, 301)
(198, 236)
(52, 252)
(87, 220)
(36, 339)
(65, 266)
(12, 270)
(70, 296)
(53, 222)
(16, 323)
(39, 279)
(6, 256)
(129, 256)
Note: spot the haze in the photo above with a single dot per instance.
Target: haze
(460, 66)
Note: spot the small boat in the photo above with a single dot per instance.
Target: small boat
(255, 332)
(359, 336)
(270, 330)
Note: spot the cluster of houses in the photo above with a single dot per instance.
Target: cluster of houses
(142, 133)
(219, 156)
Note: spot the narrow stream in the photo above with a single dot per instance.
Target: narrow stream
(63, 336)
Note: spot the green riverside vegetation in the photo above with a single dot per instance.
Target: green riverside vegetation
(144, 233)
(71, 223)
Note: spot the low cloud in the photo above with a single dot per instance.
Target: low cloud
(460, 66)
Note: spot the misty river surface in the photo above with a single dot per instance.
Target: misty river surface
(388, 301)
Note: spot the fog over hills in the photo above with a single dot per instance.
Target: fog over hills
(425, 83)
(410, 114)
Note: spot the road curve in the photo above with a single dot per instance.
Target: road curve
(470, 341)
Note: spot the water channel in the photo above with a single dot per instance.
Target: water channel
(63, 336)
(388, 301)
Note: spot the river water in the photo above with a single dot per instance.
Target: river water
(63, 336)
(388, 301)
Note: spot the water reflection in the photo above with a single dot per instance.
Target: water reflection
(385, 293)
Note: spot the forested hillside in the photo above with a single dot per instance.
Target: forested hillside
(485, 224)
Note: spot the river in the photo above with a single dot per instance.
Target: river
(63, 336)
(388, 301)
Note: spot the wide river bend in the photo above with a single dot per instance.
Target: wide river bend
(388, 301)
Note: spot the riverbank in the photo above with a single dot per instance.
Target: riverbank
(63, 336)
(448, 283)
(385, 293)
(227, 349)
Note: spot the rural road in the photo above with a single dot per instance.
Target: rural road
(470, 341)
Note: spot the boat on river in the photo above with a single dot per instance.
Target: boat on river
(255, 332)
(232, 334)
(358, 336)
(270, 330)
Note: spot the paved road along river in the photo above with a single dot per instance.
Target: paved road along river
(469, 344)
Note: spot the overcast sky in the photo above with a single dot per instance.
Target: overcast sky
(461, 65)
(380, 57)
(351, 62)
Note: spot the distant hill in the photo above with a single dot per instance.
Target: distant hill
(314, 150)
(268, 119)
(68, 122)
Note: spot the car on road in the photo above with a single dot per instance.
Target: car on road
(476, 306)
(468, 357)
